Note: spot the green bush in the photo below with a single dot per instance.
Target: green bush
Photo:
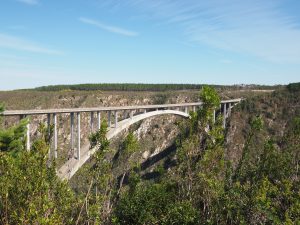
(294, 87)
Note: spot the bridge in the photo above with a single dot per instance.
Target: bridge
(130, 115)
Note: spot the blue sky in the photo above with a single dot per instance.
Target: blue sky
(45, 42)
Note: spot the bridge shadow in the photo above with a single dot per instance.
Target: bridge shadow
(156, 158)
(168, 163)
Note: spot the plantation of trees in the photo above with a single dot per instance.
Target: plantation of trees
(204, 186)
(138, 87)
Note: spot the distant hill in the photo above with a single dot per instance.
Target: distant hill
(144, 87)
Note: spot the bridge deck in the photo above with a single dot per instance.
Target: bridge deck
(110, 108)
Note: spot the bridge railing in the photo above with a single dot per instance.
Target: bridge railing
(111, 112)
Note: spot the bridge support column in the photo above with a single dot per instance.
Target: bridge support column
(186, 109)
(72, 131)
(109, 119)
(229, 109)
(98, 120)
(131, 114)
(55, 134)
(145, 110)
(224, 115)
(116, 119)
(194, 108)
(78, 136)
(48, 125)
(28, 137)
(92, 122)
(49, 132)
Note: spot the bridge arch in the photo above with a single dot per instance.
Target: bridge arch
(128, 122)
(73, 165)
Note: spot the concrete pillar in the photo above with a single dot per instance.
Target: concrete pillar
(48, 125)
(116, 119)
(131, 114)
(145, 110)
(28, 137)
(224, 115)
(186, 109)
(229, 109)
(49, 133)
(194, 108)
(92, 122)
(78, 136)
(98, 120)
(109, 119)
(72, 131)
(55, 134)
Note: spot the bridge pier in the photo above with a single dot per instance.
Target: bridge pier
(109, 119)
(48, 125)
(78, 136)
(116, 119)
(92, 122)
(229, 109)
(72, 131)
(131, 114)
(55, 134)
(186, 109)
(98, 120)
(224, 115)
(49, 132)
(28, 137)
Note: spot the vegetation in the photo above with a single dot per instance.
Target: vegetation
(204, 186)
(294, 87)
(136, 87)
(30, 191)
(206, 189)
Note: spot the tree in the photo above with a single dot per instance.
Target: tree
(30, 191)
(128, 148)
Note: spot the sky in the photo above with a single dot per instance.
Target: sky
(47, 42)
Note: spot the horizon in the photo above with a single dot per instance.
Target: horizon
(182, 42)
(196, 84)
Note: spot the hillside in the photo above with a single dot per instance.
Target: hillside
(152, 133)
(170, 171)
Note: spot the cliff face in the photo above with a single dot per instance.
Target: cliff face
(277, 110)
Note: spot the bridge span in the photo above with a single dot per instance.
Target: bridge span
(131, 115)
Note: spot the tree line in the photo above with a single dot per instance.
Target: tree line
(140, 87)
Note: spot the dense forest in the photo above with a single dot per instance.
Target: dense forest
(201, 184)
(142, 87)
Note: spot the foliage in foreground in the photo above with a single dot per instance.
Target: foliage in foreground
(203, 187)
(30, 191)
(206, 189)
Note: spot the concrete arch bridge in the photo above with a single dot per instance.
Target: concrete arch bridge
(119, 118)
